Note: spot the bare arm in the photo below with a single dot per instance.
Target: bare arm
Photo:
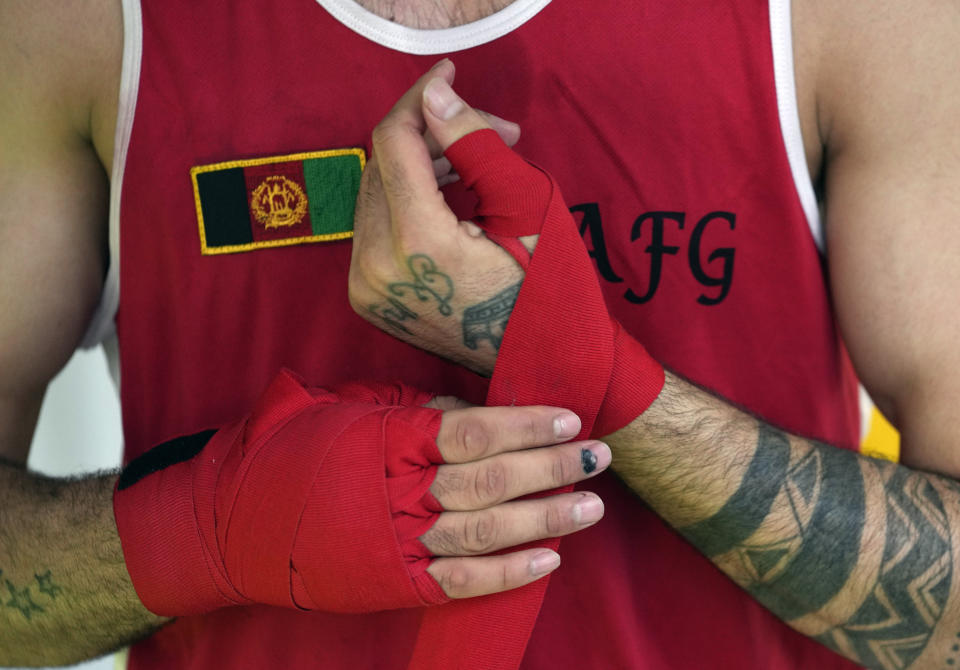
(64, 592)
(860, 554)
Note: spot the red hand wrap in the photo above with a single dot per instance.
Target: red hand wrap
(561, 347)
(299, 505)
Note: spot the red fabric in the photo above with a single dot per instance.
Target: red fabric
(314, 501)
(560, 348)
(686, 122)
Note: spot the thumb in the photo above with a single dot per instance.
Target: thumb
(513, 195)
(448, 117)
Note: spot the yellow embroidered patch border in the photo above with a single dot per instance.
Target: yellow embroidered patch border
(276, 201)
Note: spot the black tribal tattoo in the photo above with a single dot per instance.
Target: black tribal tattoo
(812, 555)
(488, 320)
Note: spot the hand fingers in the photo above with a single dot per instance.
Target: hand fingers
(474, 486)
(447, 116)
(508, 131)
(478, 432)
(443, 170)
(406, 167)
(511, 524)
(470, 577)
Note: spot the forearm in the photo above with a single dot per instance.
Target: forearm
(65, 595)
(855, 552)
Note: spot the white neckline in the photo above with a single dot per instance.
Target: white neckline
(426, 42)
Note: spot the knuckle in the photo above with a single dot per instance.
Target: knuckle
(561, 472)
(490, 483)
(480, 534)
(554, 522)
(454, 579)
(370, 270)
(473, 438)
(440, 541)
(385, 131)
(448, 481)
(530, 430)
(371, 191)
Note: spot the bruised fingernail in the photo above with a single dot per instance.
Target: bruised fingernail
(596, 457)
(588, 510)
(441, 100)
(544, 562)
(566, 425)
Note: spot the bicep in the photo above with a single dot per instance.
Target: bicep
(893, 224)
(52, 239)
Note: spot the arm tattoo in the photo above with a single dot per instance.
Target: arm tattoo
(488, 320)
(22, 599)
(740, 517)
(394, 314)
(894, 624)
(46, 586)
(811, 557)
(428, 283)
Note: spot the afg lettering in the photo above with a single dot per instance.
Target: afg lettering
(652, 227)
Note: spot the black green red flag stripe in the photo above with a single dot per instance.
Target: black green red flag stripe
(277, 201)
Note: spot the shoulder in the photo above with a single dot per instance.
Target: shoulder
(61, 69)
(882, 102)
(875, 73)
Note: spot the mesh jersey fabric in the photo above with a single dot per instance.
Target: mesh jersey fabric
(671, 161)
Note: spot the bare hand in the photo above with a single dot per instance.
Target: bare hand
(495, 455)
(416, 271)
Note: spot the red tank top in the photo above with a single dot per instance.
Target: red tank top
(660, 123)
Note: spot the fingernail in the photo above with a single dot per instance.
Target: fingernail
(544, 562)
(441, 100)
(596, 457)
(589, 510)
(566, 425)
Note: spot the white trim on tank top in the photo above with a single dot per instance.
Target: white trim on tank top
(102, 325)
(781, 37)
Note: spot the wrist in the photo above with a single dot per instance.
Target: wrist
(636, 381)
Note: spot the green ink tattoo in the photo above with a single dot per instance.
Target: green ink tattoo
(428, 284)
(45, 585)
(394, 314)
(20, 599)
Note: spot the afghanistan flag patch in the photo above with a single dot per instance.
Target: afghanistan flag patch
(277, 201)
